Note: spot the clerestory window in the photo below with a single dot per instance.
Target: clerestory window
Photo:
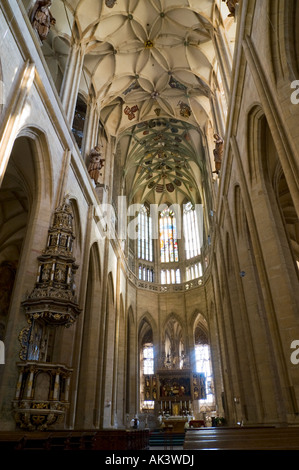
(145, 242)
(191, 231)
(168, 237)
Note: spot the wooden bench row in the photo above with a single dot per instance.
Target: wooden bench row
(75, 440)
(262, 438)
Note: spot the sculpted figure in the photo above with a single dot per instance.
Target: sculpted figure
(95, 164)
(42, 18)
(218, 152)
(231, 5)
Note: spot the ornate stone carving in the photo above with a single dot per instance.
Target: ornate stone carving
(42, 391)
(110, 3)
(42, 395)
(231, 5)
(53, 299)
(96, 163)
(218, 152)
(42, 19)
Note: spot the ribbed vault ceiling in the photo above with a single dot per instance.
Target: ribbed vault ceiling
(147, 62)
(163, 161)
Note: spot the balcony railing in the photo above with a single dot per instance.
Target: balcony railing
(157, 287)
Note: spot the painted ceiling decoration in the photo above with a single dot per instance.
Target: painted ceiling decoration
(161, 157)
(144, 60)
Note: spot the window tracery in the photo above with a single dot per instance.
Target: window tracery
(168, 236)
(145, 242)
(191, 231)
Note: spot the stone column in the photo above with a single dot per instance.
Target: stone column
(19, 384)
(223, 59)
(71, 80)
(104, 191)
(30, 383)
(90, 138)
(67, 387)
(14, 113)
(56, 385)
(116, 350)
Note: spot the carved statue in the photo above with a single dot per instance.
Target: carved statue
(95, 164)
(231, 5)
(42, 19)
(218, 152)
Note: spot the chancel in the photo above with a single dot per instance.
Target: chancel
(149, 231)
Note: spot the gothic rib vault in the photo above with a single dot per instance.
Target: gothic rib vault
(152, 70)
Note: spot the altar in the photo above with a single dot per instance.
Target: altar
(174, 423)
(173, 391)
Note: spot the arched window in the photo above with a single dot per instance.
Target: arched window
(148, 382)
(148, 359)
(193, 271)
(150, 387)
(145, 273)
(79, 121)
(168, 237)
(203, 362)
(145, 242)
(170, 276)
(191, 231)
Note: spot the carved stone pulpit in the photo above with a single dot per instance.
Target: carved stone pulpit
(42, 396)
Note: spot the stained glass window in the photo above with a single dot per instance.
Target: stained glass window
(168, 237)
(145, 242)
(191, 231)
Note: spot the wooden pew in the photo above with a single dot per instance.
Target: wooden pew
(243, 438)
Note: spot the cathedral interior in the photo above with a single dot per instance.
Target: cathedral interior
(149, 203)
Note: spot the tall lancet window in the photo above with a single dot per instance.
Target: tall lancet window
(168, 236)
(191, 231)
(203, 364)
(148, 359)
(145, 242)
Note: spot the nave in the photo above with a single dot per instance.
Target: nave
(149, 223)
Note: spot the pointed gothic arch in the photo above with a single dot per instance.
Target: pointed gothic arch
(174, 341)
(23, 206)
(284, 38)
(109, 327)
(131, 364)
(120, 384)
(279, 195)
(91, 333)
